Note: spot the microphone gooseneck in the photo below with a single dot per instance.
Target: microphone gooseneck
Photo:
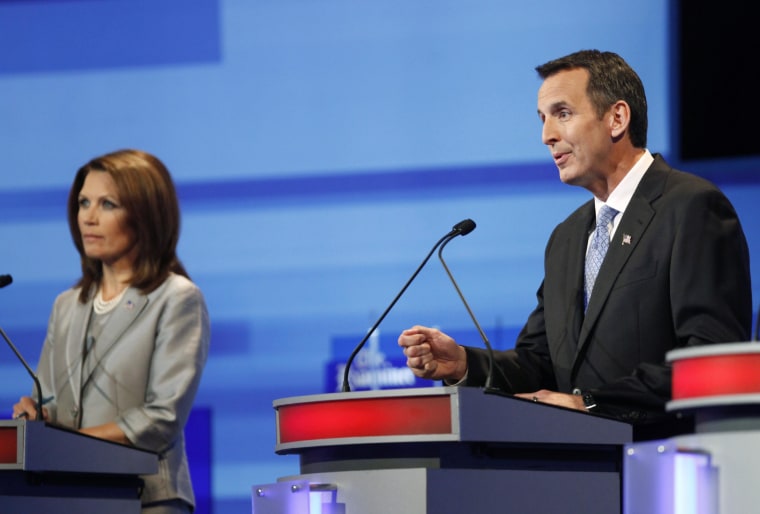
(488, 388)
(36, 380)
(4, 281)
(463, 227)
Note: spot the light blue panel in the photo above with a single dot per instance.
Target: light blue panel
(330, 86)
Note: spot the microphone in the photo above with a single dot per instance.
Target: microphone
(489, 377)
(4, 281)
(462, 228)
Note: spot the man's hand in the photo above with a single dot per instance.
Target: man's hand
(571, 401)
(432, 354)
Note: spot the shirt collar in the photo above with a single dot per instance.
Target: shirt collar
(622, 194)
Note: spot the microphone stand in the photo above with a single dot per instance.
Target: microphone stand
(4, 281)
(28, 370)
(346, 387)
(463, 227)
(489, 378)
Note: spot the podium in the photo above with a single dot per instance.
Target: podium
(713, 470)
(47, 469)
(443, 450)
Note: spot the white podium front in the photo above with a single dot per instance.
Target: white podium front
(714, 470)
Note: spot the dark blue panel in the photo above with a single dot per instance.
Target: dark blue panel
(28, 341)
(381, 368)
(53, 36)
(229, 338)
(395, 184)
(50, 204)
(198, 440)
(501, 338)
(33, 205)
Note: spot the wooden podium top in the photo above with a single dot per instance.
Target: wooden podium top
(434, 414)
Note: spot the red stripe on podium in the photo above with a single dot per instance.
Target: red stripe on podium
(370, 417)
(8, 445)
(716, 375)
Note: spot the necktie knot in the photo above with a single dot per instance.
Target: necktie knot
(600, 243)
(606, 215)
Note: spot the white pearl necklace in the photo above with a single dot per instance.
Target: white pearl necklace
(102, 307)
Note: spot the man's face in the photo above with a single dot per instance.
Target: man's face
(580, 142)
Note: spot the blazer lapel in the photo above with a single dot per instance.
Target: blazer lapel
(75, 346)
(120, 319)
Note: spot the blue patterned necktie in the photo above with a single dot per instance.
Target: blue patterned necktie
(600, 242)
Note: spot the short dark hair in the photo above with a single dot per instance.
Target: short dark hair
(147, 193)
(610, 79)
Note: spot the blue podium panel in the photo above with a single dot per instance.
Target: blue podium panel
(44, 505)
(44, 468)
(444, 491)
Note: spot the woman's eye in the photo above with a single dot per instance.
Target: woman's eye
(84, 202)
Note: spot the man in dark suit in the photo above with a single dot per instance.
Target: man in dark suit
(674, 263)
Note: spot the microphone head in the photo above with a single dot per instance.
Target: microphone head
(5, 280)
(464, 227)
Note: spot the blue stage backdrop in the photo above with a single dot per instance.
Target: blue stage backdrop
(320, 149)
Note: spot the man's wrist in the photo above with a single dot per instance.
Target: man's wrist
(461, 374)
(589, 402)
(455, 382)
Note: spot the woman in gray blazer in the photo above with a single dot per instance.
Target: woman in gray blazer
(126, 346)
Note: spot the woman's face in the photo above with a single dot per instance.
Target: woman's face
(102, 220)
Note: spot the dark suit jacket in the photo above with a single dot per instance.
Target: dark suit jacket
(676, 275)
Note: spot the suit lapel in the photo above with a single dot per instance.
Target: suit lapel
(576, 262)
(634, 223)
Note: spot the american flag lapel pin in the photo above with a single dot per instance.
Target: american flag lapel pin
(129, 305)
(626, 239)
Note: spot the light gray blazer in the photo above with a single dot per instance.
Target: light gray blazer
(148, 365)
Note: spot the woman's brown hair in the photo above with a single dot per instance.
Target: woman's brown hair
(147, 193)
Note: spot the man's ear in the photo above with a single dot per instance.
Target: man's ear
(620, 119)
